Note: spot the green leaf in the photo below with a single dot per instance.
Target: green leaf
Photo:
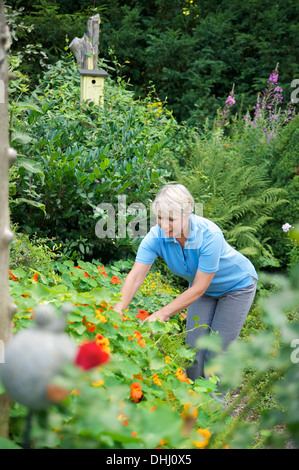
(128, 367)
(96, 172)
(74, 317)
(40, 292)
(59, 289)
(80, 329)
(32, 166)
(23, 106)
(104, 164)
(39, 205)
(21, 137)
(102, 294)
(154, 175)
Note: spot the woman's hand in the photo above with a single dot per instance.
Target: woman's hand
(158, 315)
(119, 309)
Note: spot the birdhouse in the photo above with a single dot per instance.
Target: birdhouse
(86, 50)
(92, 85)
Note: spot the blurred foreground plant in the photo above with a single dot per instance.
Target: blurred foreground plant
(273, 350)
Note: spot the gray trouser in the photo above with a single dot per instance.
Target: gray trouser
(225, 314)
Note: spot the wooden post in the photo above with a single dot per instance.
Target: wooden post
(93, 33)
(7, 158)
(86, 51)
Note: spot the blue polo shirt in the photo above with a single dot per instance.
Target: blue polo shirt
(205, 250)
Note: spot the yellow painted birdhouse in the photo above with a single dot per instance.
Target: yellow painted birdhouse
(86, 50)
(92, 85)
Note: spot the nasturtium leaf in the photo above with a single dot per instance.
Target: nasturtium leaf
(40, 292)
(79, 328)
(74, 317)
(102, 294)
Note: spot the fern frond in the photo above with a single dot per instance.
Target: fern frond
(235, 195)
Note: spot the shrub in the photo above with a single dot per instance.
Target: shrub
(33, 255)
(82, 155)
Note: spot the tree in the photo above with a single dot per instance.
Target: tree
(7, 156)
(192, 51)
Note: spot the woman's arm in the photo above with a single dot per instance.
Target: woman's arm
(131, 285)
(200, 284)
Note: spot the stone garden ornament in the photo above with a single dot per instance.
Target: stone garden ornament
(34, 356)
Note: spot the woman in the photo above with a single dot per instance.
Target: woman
(222, 282)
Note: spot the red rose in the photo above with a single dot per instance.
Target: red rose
(90, 355)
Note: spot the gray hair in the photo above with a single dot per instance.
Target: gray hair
(173, 200)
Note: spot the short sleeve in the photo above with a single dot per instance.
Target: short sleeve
(210, 256)
(147, 250)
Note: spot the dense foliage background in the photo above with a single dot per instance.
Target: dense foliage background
(193, 51)
(197, 93)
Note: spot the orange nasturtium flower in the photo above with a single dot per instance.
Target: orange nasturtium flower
(14, 278)
(88, 325)
(98, 312)
(182, 376)
(123, 418)
(141, 343)
(138, 376)
(115, 280)
(142, 314)
(189, 411)
(103, 343)
(156, 379)
(206, 434)
(136, 392)
(138, 335)
(102, 271)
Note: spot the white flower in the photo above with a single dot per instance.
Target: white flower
(286, 227)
